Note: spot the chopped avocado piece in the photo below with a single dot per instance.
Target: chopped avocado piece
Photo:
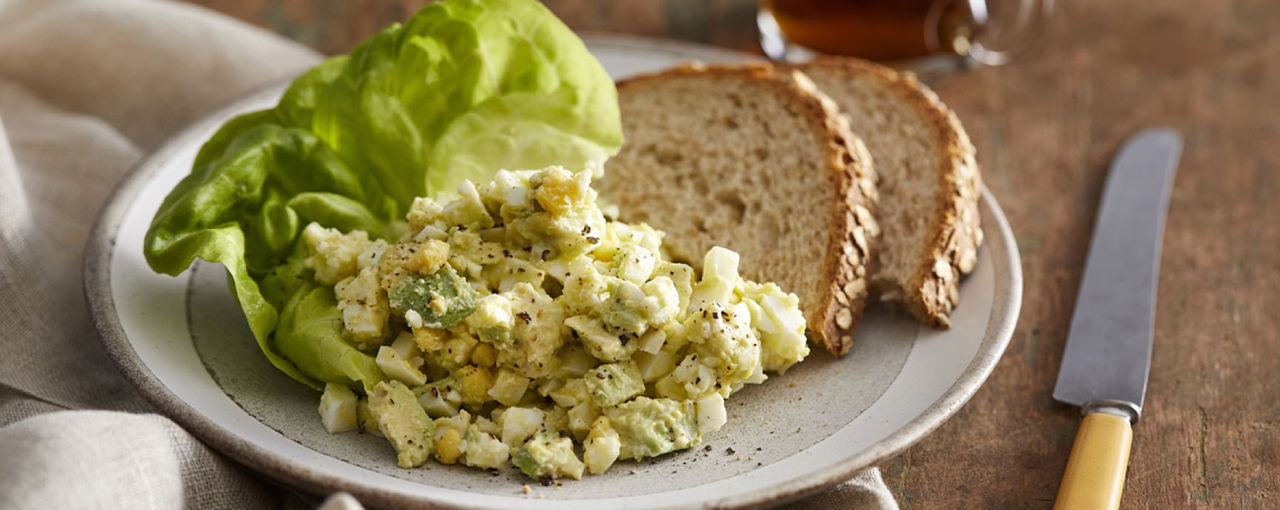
(403, 422)
(442, 299)
(649, 427)
(614, 383)
(548, 454)
(627, 307)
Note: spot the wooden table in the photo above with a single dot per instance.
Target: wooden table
(1046, 128)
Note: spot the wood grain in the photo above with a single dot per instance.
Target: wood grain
(1046, 128)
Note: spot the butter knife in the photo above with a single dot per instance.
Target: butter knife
(1108, 353)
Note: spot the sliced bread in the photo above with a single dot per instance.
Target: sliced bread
(758, 161)
(928, 183)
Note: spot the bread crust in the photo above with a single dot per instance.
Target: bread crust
(839, 307)
(955, 232)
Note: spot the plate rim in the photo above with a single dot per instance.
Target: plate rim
(100, 248)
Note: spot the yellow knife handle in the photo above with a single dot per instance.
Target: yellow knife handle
(1095, 471)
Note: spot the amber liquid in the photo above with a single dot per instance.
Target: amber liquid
(872, 29)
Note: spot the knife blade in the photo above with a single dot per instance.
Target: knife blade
(1108, 354)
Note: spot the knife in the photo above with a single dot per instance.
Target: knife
(1108, 353)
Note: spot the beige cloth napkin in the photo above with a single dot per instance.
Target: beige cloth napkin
(87, 89)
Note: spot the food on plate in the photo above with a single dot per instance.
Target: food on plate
(513, 320)
(382, 251)
(759, 160)
(929, 183)
(390, 245)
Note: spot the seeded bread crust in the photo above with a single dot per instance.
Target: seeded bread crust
(835, 309)
(931, 291)
(857, 236)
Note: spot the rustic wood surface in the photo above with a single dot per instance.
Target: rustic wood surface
(1045, 129)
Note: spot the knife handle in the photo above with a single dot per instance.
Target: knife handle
(1095, 471)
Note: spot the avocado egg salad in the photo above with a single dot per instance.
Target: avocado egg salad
(514, 321)
(502, 318)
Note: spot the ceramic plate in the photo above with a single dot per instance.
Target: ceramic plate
(185, 344)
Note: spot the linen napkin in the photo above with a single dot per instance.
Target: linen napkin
(87, 89)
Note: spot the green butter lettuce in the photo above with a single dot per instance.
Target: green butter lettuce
(462, 89)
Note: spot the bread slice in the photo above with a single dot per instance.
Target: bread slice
(758, 161)
(929, 183)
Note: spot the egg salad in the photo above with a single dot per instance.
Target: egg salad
(514, 323)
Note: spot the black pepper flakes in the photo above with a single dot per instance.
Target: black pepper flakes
(729, 451)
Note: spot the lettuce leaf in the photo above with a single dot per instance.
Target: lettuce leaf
(309, 331)
(462, 89)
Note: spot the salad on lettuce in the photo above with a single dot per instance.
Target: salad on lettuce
(390, 243)
(462, 89)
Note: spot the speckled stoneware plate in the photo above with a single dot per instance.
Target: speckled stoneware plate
(185, 344)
